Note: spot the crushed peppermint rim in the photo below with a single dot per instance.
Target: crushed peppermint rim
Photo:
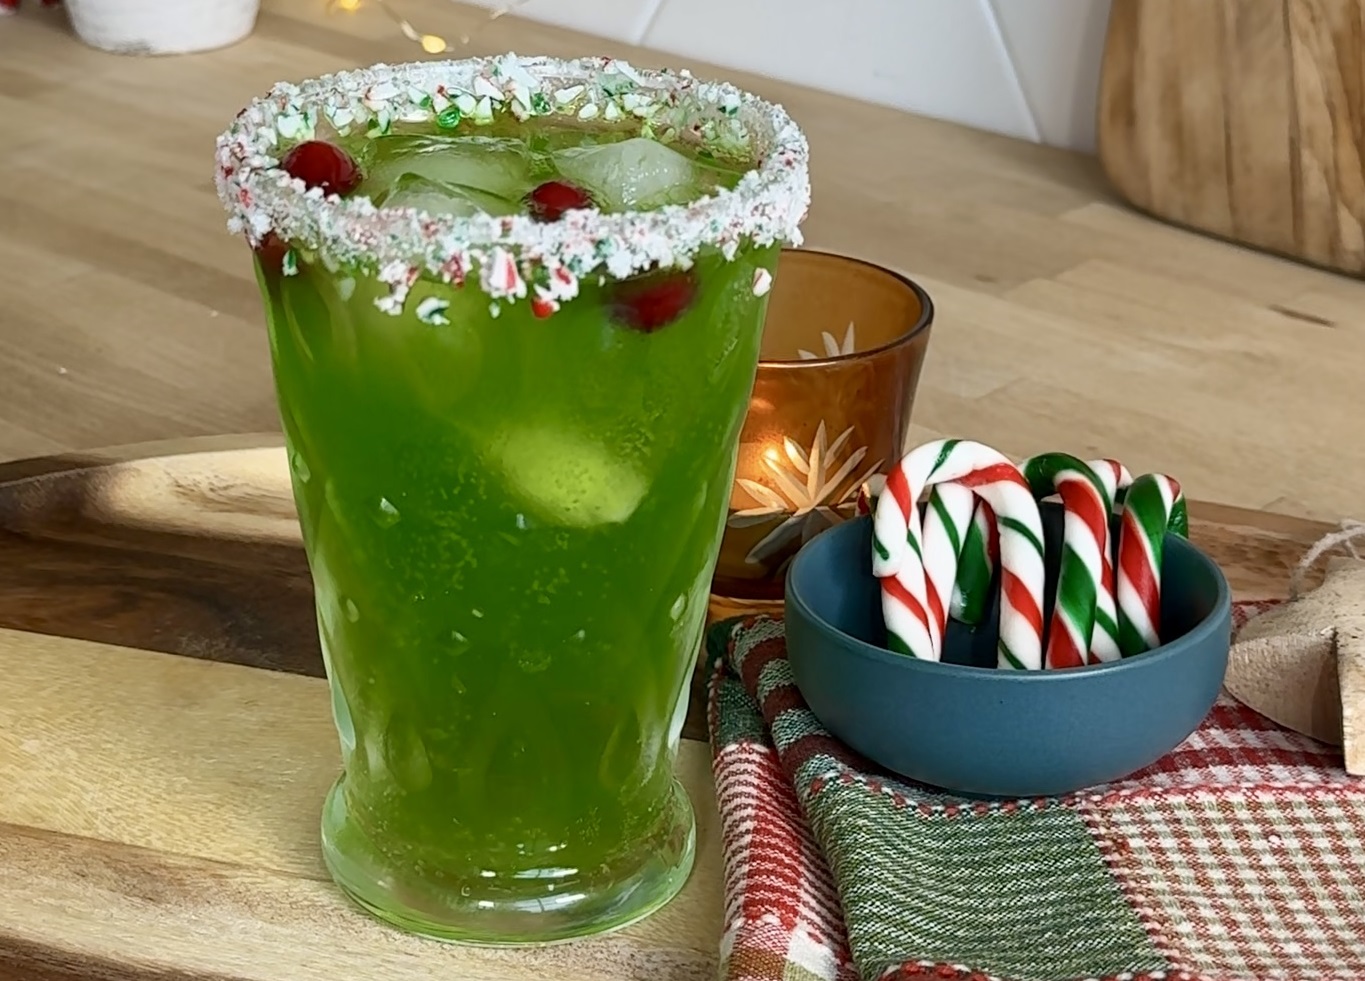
(510, 255)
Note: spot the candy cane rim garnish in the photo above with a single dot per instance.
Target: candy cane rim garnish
(1085, 541)
(1104, 642)
(897, 555)
(1154, 506)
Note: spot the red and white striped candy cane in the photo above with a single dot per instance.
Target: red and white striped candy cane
(1104, 642)
(898, 556)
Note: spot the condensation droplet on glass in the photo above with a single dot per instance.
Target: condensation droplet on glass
(301, 467)
(352, 611)
(459, 642)
(581, 636)
(465, 891)
(679, 606)
(522, 523)
(387, 515)
(458, 685)
(478, 614)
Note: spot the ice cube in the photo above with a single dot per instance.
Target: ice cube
(438, 198)
(491, 164)
(567, 478)
(638, 173)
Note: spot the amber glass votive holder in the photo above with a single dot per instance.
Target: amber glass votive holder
(843, 345)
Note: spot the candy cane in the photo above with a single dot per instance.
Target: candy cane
(1085, 542)
(871, 489)
(975, 567)
(947, 521)
(1104, 642)
(1115, 477)
(897, 554)
(959, 544)
(1154, 507)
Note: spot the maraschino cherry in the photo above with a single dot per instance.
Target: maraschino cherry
(318, 164)
(321, 164)
(651, 302)
(550, 200)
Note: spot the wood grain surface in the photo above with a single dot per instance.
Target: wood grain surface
(192, 548)
(1242, 119)
(160, 821)
(1065, 320)
(166, 739)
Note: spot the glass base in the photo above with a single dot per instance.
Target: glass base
(641, 883)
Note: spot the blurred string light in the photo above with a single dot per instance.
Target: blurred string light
(430, 43)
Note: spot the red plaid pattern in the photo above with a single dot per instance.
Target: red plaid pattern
(782, 912)
(1241, 849)
(1237, 884)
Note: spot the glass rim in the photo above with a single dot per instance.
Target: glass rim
(765, 207)
(921, 324)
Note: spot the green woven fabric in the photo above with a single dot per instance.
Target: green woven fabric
(1235, 858)
(1021, 894)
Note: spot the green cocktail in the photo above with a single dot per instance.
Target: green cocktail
(514, 311)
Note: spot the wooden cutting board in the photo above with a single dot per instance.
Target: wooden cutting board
(1244, 119)
(165, 738)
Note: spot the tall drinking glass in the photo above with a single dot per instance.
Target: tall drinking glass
(514, 310)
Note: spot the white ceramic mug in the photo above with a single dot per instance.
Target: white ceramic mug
(161, 27)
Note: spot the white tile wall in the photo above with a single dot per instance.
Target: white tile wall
(1026, 68)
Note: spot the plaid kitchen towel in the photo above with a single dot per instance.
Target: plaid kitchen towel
(1240, 856)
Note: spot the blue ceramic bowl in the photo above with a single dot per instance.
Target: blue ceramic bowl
(959, 724)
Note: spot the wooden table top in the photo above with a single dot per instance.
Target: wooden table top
(1065, 320)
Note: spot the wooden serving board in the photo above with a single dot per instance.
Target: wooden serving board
(1241, 118)
(165, 738)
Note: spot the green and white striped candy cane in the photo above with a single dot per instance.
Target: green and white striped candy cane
(1104, 642)
(1153, 508)
(1085, 541)
(975, 567)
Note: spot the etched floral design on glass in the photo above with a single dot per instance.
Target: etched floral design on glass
(830, 410)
